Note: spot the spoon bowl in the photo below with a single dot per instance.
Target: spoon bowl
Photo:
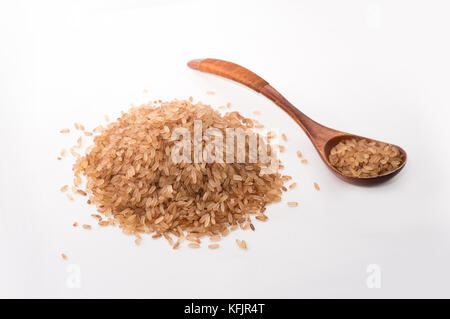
(359, 180)
(322, 137)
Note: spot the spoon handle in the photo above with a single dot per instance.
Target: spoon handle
(318, 133)
(230, 71)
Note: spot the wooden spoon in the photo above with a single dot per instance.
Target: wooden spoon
(323, 138)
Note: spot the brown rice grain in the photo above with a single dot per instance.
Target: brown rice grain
(131, 178)
(365, 158)
(241, 244)
(81, 192)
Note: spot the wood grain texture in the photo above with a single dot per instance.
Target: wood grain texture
(322, 137)
(233, 72)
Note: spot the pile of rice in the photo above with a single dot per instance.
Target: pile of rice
(134, 183)
(364, 158)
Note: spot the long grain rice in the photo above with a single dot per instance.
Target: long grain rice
(364, 158)
(131, 178)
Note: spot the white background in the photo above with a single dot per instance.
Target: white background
(376, 68)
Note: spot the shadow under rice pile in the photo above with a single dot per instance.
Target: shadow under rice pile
(134, 183)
